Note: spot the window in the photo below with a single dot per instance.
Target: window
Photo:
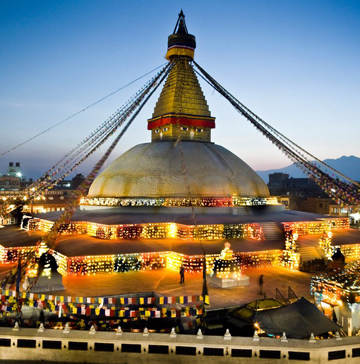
(270, 354)
(185, 350)
(157, 131)
(165, 129)
(104, 347)
(22, 343)
(184, 128)
(241, 353)
(158, 349)
(297, 355)
(214, 351)
(340, 354)
(47, 344)
(131, 348)
(73, 345)
(7, 342)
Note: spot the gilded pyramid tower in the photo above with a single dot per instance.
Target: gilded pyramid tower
(181, 110)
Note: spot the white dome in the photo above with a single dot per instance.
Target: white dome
(156, 170)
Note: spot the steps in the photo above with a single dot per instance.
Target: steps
(273, 231)
(310, 253)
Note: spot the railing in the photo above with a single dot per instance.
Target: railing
(291, 294)
(280, 297)
(89, 346)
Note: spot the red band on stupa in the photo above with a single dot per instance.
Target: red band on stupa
(196, 122)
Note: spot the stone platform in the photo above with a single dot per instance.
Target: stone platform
(44, 284)
(228, 282)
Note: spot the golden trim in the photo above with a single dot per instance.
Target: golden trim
(177, 51)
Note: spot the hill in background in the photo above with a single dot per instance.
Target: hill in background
(349, 166)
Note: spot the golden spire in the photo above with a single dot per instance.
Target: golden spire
(181, 109)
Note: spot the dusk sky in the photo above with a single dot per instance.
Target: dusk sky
(294, 63)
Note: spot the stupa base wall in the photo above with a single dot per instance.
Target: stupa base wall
(183, 210)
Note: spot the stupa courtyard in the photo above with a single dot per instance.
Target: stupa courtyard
(166, 282)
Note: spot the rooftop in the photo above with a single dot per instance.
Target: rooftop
(85, 245)
(182, 215)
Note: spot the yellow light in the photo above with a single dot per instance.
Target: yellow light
(172, 230)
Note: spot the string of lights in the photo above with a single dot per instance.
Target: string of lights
(79, 112)
(339, 187)
(122, 263)
(152, 230)
(50, 239)
(90, 144)
(233, 201)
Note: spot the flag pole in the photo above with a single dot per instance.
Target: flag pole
(205, 292)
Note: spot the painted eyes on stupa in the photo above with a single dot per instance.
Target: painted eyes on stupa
(157, 131)
(183, 128)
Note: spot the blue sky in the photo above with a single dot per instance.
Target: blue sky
(294, 63)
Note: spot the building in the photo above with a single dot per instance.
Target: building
(9, 183)
(14, 170)
(283, 184)
(56, 198)
(53, 200)
(304, 194)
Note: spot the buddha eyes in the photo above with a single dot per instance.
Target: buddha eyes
(157, 131)
(183, 128)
